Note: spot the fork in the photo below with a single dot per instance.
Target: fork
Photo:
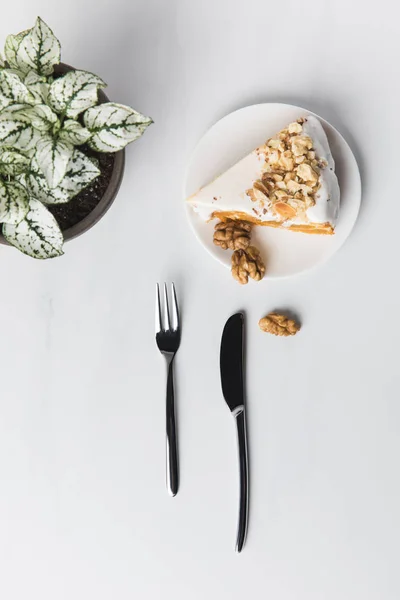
(168, 337)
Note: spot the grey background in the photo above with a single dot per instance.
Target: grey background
(83, 508)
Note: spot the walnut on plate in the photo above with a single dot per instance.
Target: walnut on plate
(279, 325)
(247, 263)
(232, 234)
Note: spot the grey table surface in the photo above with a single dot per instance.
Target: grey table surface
(83, 507)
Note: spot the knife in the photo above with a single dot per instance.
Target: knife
(231, 365)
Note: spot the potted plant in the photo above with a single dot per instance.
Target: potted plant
(61, 145)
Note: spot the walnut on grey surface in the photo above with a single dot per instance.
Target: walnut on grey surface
(247, 263)
(279, 325)
(232, 234)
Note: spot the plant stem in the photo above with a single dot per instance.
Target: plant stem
(61, 118)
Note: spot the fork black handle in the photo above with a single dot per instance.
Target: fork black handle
(172, 442)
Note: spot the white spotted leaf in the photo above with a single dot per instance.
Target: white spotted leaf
(35, 50)
(74, 92)
(16, 129)
(11, 48)
(12, 90)
(81, 171)
(53, 155)
(38, 234)
(113, 126)
(38, 87)
(13, 163)
(4, 101)
(42, 117)
(14, 202)
(36, 184)
(73, 132)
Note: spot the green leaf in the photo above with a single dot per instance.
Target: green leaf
(81, 171)
(13, 163)
(74, 92)
(38, 234)
(14, 203)
(37, 50)
(16, 130)
(113, 126)
(53, 156)
(38, 87)
(73, 132)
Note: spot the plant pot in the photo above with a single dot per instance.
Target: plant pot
(111, 185)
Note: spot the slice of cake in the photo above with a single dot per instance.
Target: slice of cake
(288, 182)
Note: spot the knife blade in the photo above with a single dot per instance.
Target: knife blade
(232, 382)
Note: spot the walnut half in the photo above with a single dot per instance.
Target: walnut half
(247, 263)
(232, 234)
(279, 325)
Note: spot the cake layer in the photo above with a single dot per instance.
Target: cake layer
(317, 228)
(288, 182)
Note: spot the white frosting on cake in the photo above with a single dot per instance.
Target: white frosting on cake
(227, 193)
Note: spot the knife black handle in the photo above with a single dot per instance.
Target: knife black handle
(172, 444)
(240, 418)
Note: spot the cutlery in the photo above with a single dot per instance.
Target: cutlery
(168, 337)
(231, 365)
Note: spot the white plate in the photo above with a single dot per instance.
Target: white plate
(286, 252)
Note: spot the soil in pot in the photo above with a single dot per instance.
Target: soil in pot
(82, 204)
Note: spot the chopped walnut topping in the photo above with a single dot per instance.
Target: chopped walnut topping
(295, 128)
(286, 161)
(277, 144)
(247, 263)
(300, 144)
(290, 177)
(306, 173)
(279, 325)
(285, 210)
(260, 192)
(250, 194)
(293, 186)
(232, 234)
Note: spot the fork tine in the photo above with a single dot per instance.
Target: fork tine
(158, 310)
(175, 310)
(166, 309)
